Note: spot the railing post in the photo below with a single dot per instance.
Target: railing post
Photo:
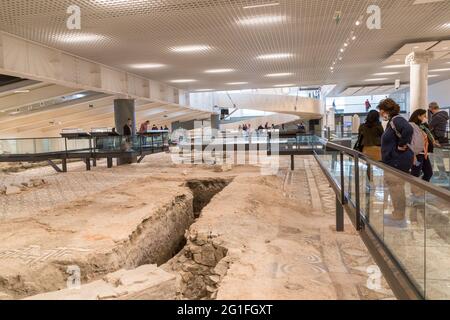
(357, 195)
(339, 215)
(343, 198)
(109, 162)
(292, 162)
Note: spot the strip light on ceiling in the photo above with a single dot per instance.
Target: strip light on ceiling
(395, 66)
(190, 49)
(261, 20)
(79, 38)
(274, 75)
(275, 56)
(183, 81)
(274, 4)
(219, 71)
(147, 66)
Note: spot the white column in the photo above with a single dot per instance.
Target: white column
(418, 61)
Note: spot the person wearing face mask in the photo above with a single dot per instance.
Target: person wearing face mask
(394, 142)
(422, 164)
(396, 153)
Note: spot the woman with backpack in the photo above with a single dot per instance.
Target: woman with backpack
(395, 152)
(369, 138)
(423, 163)
(396, 139)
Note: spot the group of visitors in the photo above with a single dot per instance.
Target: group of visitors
(404, 145)
(128, 128)
(247, 128)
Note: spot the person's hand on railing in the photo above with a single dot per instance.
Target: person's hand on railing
(404, 148)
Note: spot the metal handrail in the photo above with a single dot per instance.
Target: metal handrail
(66, 150)
(427, 186)
(402, 284)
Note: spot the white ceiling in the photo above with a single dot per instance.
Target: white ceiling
(121, 33)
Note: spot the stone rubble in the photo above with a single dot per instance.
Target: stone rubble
(202, 265)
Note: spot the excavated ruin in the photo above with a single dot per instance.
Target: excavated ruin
(204, 190)
(159, 237)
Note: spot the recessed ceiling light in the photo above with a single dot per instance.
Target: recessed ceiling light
(236, 83)
(191, 48)
(183, 81)
(342, 50)
(358, 23)
(285, 85)
(21, 91)
(447, 25)
(395, 66)
(275, 56)
(416, 47)
(79, 38)
(274, 4)
(354, 38)
(261, 20)
(440, 70)
(219, 71)
(331, 68)
(147, 65)
(346, 44)
(385, 73)
(285, 74)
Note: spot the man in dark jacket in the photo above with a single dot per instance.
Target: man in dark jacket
(128, 128)
(438, 124)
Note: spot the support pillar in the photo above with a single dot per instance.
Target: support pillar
(215, 121)
(124, 109)
(418, 61)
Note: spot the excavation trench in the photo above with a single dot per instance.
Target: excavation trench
(156, 240)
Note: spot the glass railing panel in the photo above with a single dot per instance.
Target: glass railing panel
(31, 146)
(403, 226)
(17, 146)
(375, 196)
(364, 186)
(330, 158)
(48, 145)
(437, 213)
(110, 144)
(440, 160)
(349, 177)
(79, 145)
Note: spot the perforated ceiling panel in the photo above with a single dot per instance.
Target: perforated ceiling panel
(139, 36)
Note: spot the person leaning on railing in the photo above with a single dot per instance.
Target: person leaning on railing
(396, 153)
(395, 140)
(369, 136)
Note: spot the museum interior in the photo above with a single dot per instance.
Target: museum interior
(224, 150)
